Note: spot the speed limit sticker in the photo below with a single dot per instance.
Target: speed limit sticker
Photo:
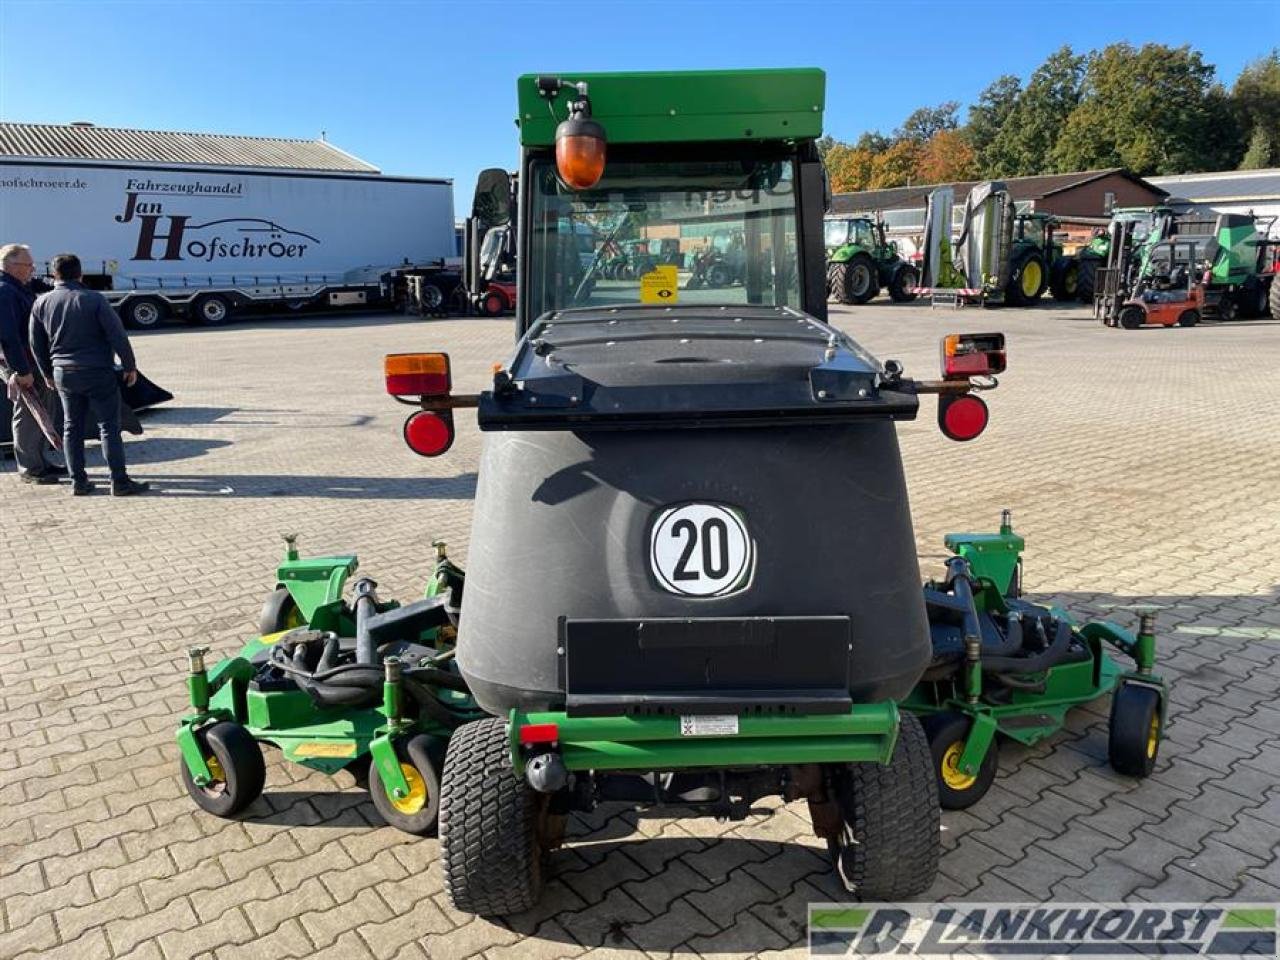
(701, 550)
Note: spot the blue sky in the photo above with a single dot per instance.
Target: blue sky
(427, 89)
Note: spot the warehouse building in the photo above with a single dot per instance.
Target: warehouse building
(1254, 192)
(1082, 201)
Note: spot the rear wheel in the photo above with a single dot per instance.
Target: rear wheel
(1086, 273)
(144, 313)
(719, 275)
(1028, 281)
(901, 283)
(235, 762)
(836, 282)
(1274, 298)
(489, 824)
(889, 842)
(1064, 280)
(211, 309)
(1132, 317)
(947, 733)
(493, 303)
(417, 812)
(1134, 739)
(1188, 318)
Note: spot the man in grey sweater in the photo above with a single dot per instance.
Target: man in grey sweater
(75, 336)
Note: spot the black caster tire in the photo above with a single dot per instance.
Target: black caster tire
(1134, 740)
(947, 733)
(489, 824)
(889, 842)
(279, 613)
(235, 761)
(419, 812)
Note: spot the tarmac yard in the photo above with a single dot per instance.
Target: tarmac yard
(1143, 467)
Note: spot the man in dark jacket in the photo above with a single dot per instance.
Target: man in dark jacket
(30, 447)
(75, 336)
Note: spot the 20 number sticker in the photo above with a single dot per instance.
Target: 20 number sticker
(701, 550)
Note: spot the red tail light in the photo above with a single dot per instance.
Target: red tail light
(963, 417)
(429, 434)
(417, 374)
(972, 355)
(539, 733)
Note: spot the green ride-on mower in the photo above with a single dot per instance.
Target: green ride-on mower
(861, 260)
(334, 684)
(692, 581)
(1003, 667)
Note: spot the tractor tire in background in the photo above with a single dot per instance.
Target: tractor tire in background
(1027, 282)
(1086, 273)
(854, 281)
(1274, 299)
(901, 283)
(1064, 280)
(889, 842)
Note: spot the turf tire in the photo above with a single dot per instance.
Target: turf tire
(492, 860)
(243, 771)
(890, 842)
(1134, 739)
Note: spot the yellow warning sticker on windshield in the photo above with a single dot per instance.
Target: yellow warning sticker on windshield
(659, 285)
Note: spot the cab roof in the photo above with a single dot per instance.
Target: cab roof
(684, 106)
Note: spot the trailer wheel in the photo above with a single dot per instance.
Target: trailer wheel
(1132, 317)
(144, 313)
(418, 812)
(889, 840)
(901, 283)
(211, 309)
(947, 733)
(1188, 318)
(431, 298)
(1135, 733)
(236, 764)
(489, 819)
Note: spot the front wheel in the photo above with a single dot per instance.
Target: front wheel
(1132, 317)
(861, 281)
(489, 824)
(144, 313)
(418, 811)
(235, 762)
(947, 733)
(889, 843)
(1134, 739)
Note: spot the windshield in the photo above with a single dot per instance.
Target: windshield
(836, 234)
(664, 233)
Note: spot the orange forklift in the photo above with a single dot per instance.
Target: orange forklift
(1174, 294)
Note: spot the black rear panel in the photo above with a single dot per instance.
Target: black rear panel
(707, 665)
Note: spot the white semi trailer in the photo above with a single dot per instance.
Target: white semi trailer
(200, 243)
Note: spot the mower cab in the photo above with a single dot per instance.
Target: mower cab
(663, 463)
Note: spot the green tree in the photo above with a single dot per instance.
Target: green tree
(1154, 110)
(923, 123)
(873, 141)
(825, 144)
(988, 115)
(1031, 130)
(1255, 101)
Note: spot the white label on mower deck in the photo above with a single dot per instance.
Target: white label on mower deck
(710, 725)
(701, 550)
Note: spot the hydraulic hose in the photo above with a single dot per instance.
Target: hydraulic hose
(1034, 664)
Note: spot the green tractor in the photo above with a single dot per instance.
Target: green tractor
(861, 260)
(1034, 256)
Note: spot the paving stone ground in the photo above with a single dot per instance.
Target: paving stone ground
(1143, 467)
